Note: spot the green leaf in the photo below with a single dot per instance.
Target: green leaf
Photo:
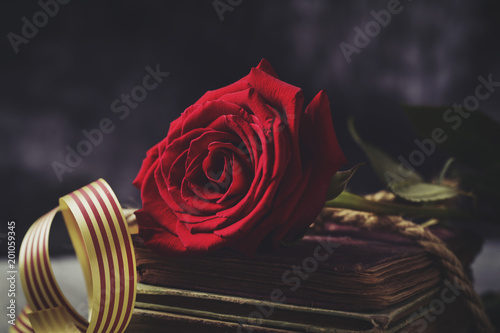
(339, 182)
(386, 167)
(349, 200)
(423, 192)
(472, 140)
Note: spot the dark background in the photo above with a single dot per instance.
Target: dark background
(65, 78)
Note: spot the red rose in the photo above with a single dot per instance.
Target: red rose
(242, 164)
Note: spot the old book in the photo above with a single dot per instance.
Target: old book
(162, 309)
(345, 280)
(347, 270)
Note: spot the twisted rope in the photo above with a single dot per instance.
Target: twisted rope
(453, 269)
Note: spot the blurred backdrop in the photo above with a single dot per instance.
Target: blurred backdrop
(63, 72)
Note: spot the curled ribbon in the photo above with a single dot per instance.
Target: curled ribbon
(103, 246)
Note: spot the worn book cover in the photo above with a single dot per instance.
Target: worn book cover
(348, 269)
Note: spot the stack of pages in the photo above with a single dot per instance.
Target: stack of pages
(346, 280)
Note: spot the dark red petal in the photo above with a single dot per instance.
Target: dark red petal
(288, 100)
(194, 171)
(158, 239)
(215, 166)
(253, 103)
(321, 118)
(319, 138)
(167, 157)
(217, 145)
(179, 146)
(203, 115)
(209, 193)
(239, 85)
(284, 97)
(188, 219)
(199, 146)
(261, 206)
(175, 128)
(196, 188)
(170, 193)
(151, 157)
(279, 139)
(210, 225)
(240, 181)
(266, 67)
(247, 135)
(199, 242)
(154, 205)
(212, 95)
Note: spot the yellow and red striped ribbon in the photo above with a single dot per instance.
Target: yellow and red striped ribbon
(103, 245)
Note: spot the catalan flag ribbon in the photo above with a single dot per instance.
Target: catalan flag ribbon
(103, 245)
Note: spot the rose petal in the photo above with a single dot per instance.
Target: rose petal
(241, 180)
(199, 242)
(213, 95)
(175, 129)
(158, 239)
(147, 163)
(253, 103)
(210, 225)
(319, 138)
(203, 115)
(153, 203)
(320, 114)
(200, 145)
(243, 158)
(216, 167)
(266, 67)
(288, 100)
(249, 221)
